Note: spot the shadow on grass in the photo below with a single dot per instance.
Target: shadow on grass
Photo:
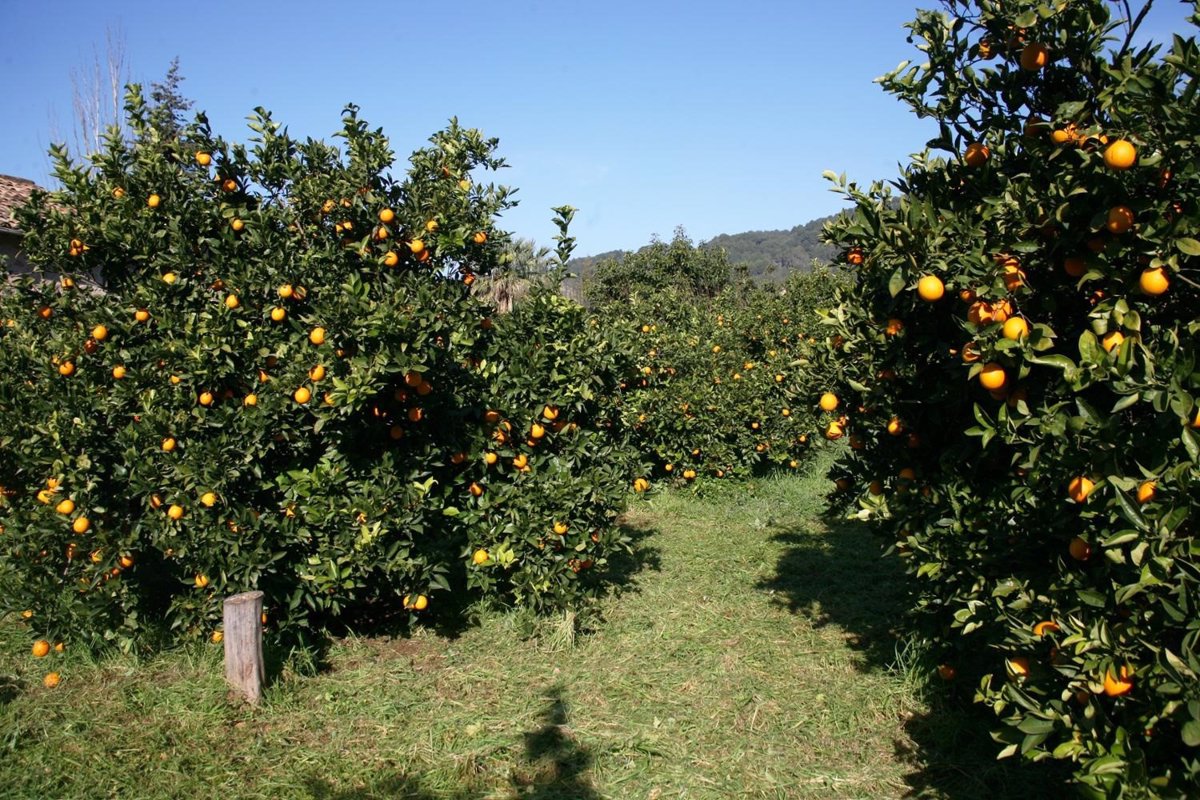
(9, 689)
(835, 574)
(554, 767)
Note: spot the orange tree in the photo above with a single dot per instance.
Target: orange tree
(718, 385)
(260, 366)
(1015, 370)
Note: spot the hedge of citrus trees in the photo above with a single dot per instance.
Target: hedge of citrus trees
(719, 383)
(1015, 367)
(262, 366)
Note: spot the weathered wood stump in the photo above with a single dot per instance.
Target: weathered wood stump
(243, 645)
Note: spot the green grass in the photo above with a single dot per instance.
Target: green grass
(750, 655)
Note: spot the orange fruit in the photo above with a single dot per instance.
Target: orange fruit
(317, 336)
(141, 315)
(1120, 219)
(203, 159)
(1147, 491)
(421, 603)
(286, 291)
(992, 377)
(153, 201)
(206, 398)
(41, 648)
(232, 302)
(228, 185)
(480, 556)
(946, 672)
(1154, 281)
(175, 512)
(1112, 340)
(52, 680)
(386, 216)
(302, 395)
(278, 314)
(640, 485)
(237, 225)
(250, 400)
(1044, 627)
(65, 507)
(930, 288)
(976, 154)
(1018, 666)
(1121, 154)
(118, 193)
(1034, 56)
(1079, 488)
(834, 431)
(855, 256)
(200, 581)
(99, 333)
(126, 561)
(66, 369)
(217, 637)
(560, 528)
(479, 238)
(895, 427)
(1016, 329)
(81, 525)
(894, 326)
(168, 444)
(317, 373)
(537, 431)
(475, 489)
(415, 415)
(118, 372)
(1117, 685)
(416, 246)
(208, 499)
(431, 225)
(391, 259)
(1074, 266)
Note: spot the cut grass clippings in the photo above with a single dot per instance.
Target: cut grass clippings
(749, 656)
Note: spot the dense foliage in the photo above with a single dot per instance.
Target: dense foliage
(262, 366)
(1015, 367)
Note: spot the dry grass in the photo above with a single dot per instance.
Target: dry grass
(749, 658)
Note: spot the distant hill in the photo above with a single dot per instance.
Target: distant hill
(768, 255)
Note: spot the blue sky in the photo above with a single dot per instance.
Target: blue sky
(717, 116)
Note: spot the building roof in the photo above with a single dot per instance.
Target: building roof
(13, 193)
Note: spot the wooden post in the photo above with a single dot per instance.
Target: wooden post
(243, 645)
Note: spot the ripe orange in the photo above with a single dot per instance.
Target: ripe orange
(125, 561)
(232, 302)
(894, 326)
(99, 333)
(200, 581)
(1079, 488)
(237, 225)
(416, 246)
(1016, 329)
(560, 528)
(992, 377)
(66, 369)
(1112, 340)
(1154, 281)
(391, 259)
(930, 288)
(317, 373)
(1074, 266)
(976, 154)
(1079, 549)
(415, 415)
(537, 431)
(490, 458)
(640, 485)
(118, 372)
(946, 672)
(175, 512)
(475, 489)
(153, 201)
(208, 499)
(1120, 219)
(228, 185)
(1018, 666)
(250, 400)
(203, 159)
(386, 216)
(168, 444)
(834, 431)
(1115, 686)
(421, 603)
(1044, 627)
(855, 256)
(66, 506)
(206, 398)
(479, 238)
(41, 648)
(480, 557)
(118, 193)
(81, 525)
(317, 336)
(141, 315)
(1147, 491)
(431, 225)
(302, 395)
(52, 680)
(1121, 154)
(217, 637)
(1034, 56)
(895, 427)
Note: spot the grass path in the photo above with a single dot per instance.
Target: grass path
(747, 658)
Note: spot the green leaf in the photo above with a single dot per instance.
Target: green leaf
(896, 283)
(1188, 246)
